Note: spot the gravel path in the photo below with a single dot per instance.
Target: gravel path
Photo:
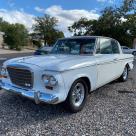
(110, 111)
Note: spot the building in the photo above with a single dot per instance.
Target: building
(1, 38)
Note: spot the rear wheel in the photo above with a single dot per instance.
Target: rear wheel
(134, 53)
(124, 76)
(77, 96)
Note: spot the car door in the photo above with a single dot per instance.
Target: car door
(119, 67)
(105, 62)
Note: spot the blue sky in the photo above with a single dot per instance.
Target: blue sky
(24, 11)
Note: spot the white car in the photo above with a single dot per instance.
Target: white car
(128, 50)
(75, 67)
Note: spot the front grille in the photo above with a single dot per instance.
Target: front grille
(20, 77)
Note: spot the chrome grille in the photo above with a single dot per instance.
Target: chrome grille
(20, 76)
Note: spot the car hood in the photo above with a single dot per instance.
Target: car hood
(55, 62)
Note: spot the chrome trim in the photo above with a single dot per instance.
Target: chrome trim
(37, 96)
(112, 61)
(126, 58)
(106, 62)
(94, 64)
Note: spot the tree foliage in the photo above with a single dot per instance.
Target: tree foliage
(119, 23)
(46, 26)
(80, 27)
(128, 6)
(15, 34)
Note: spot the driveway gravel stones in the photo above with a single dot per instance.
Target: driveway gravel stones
(110, 111)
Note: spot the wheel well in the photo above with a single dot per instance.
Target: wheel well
(86, 79)
(127, 65)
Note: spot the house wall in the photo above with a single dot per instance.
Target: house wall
(1, 38)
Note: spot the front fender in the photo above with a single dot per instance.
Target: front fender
(70, 76)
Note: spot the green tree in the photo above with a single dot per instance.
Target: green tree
(118, 23)
(54, 36)
(46, 26)
(82, 27)
(128, 6)
(15, 34)
(79, 27)
(3, 25)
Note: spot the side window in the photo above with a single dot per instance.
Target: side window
(115, 47)
(88, 48)
(105, 46)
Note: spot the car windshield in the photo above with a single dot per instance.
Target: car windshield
(45, 48)
(74, 46)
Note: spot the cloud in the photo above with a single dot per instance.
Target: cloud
(16, 16)
(67, 17)
(39, 9)
(108, 1)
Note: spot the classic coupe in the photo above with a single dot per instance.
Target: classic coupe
(128, 50)
(75, 67)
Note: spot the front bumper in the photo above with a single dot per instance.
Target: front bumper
(37, 96)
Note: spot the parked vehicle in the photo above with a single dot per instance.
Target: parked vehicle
(43, 50)
(128, 50)
(75, 67)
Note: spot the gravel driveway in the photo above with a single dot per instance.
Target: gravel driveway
(110, 111)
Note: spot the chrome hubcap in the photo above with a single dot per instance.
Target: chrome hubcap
(125, 73)
(134, 53)
(78, 94)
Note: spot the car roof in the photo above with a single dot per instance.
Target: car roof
(85, 37)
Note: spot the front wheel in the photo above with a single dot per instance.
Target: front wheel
(124, 76)
(77, 96)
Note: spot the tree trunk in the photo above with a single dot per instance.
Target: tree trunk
(134, 43)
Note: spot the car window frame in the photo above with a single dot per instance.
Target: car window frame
(98, 45)
(117, 43)
(98, 50)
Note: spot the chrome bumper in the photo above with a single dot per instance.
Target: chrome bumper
(37, 96)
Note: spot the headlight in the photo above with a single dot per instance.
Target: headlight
(3, 72)
(49, 80)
